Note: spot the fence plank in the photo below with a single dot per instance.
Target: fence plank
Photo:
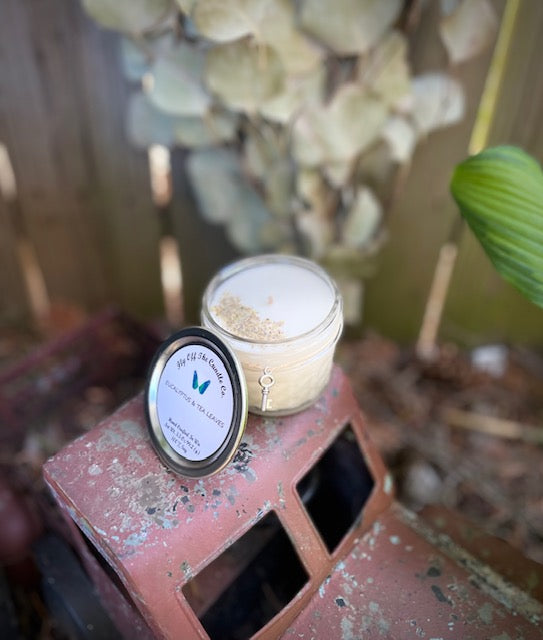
(203, 247)
(83, 193)
(37, 124)
(14, 307)
(121, 187)
(422, 216)
(485, 307)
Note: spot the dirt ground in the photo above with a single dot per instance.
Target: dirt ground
(450, 432)
(456, 435)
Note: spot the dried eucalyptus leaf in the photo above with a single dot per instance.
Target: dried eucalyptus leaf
(279, 186)
(385, 69)
(317, 229)
(215, 178)
(469, 29)
(147, 125)
(244, 75)
(362, 220)
(375, 168)
(339, 131)
(349, 27)
(401, 139)
(277, 28)
(448, 6)
(258, 155)
(134, 61)
(264, 146)
(438, 102)
(312, 188)
(338, 173)
(249, 228)
(298, 92)
(177, 82)
(224, 196)
(186, 6)
(352, 293)
(128, 16)
(500, 194)
(296, 52)
(212, 129)
(277, 235)
(266, 160)
(227, 20)
(348, 262)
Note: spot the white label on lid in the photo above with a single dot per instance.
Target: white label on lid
(195, 402)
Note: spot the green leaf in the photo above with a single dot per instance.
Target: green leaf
(349, 27)
(244, 74)
(177, 82)
(129, 16)
(500, 194)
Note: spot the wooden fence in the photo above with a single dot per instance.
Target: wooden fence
(83, 195)
(83, 210)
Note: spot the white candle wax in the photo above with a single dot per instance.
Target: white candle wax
(272, 302)
(282, 317)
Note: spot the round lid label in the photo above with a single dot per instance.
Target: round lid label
(196, 402)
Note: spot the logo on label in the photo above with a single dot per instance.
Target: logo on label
(202, 387)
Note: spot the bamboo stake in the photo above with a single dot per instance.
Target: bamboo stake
(426, 344)
(490, 425)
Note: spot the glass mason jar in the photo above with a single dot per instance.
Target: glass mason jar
(282, 317)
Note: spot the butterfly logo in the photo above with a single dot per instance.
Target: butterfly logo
(202, 387)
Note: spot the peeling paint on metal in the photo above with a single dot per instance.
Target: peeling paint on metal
(186, 569)
(134, 456)
(136, 539)
(94, 470)
(486, 613)
(440, 596)
(281, 494)
(481, 576)
(347, 629)
(322, 588)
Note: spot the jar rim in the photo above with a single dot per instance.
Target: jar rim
(236, 267)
